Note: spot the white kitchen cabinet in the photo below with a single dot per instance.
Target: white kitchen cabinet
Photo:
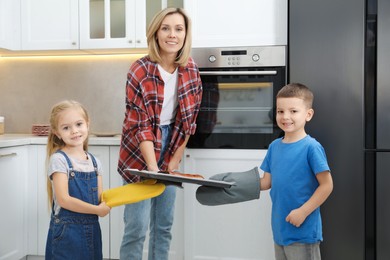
(228, 23)
(50, 24)
(112, 225)
(103, 154)
(85, 25)
(108, 24)
(234, 231)
(10, 24)
(13, 190)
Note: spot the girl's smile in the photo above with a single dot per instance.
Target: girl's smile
(72, 127)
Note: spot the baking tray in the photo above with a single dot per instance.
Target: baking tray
(179, 179)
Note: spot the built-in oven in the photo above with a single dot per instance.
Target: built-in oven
(238, 103)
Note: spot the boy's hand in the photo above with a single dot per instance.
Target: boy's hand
(103, 209)
(246, 187)
(296, 217)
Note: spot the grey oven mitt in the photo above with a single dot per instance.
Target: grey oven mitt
(246, 187)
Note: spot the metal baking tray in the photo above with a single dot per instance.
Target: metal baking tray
(179, 179)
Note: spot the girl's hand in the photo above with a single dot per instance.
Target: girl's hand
(296, 217)
(103, 209)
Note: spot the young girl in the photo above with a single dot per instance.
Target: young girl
(74, 187)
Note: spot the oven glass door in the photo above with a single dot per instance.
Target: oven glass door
(237, 109)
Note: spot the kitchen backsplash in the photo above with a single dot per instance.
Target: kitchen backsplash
(30, 86)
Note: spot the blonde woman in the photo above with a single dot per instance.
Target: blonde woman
(163, 95)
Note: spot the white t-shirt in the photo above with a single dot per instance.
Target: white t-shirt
(59, 164)
(168, 112)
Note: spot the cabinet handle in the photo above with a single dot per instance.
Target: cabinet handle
(8, 155)
(188, 156)
(73, 43)
(138, 41)
(130, 41)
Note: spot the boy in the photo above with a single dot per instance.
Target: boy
(296, 170)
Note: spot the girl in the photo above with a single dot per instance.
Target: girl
(74, 187)
(163, 95)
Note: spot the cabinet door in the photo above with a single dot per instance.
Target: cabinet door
(43, 207)
(103, 154)
(13, 171)
(116, 214)
(107, 24)
(49, 24)
(234, 231)
(231, 24)
(10, 24)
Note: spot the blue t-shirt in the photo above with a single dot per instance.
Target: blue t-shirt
(293, 168)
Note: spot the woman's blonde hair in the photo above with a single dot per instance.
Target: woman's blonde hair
(54, 143)
(154, 50)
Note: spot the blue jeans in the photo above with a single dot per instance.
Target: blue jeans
(298, 251)
(158, 211)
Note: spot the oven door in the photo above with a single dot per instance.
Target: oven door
(237, 109)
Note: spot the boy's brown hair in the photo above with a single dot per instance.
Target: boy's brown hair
(297, 90)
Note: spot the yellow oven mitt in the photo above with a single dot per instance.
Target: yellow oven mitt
(132, 192)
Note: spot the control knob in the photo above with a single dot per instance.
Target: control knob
(212, 58)
(255, 57)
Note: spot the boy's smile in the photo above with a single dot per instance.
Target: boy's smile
(291, 116)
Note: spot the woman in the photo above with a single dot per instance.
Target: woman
(163, 95)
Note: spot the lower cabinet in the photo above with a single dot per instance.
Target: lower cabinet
(239, 231)
(13, 191)
(235, 231)
(111, 225)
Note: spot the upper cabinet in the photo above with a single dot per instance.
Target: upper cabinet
(86, 24)
(38, 25)
(50, 24)
(112, 24)
(10, 24)
(228, 23)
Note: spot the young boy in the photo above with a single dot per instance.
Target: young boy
(296, 170)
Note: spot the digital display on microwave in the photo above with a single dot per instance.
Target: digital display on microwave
(224, 53)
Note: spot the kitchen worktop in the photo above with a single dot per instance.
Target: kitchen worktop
(9, 140)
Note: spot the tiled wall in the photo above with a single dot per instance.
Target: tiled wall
(30, 86)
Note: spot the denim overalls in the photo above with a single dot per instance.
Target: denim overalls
(75, 235)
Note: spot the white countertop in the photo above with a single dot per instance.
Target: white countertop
(9, 140)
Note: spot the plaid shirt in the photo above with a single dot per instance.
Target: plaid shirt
(144, 100)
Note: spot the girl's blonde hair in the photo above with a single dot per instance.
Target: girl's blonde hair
(154, 50)
(53, 142)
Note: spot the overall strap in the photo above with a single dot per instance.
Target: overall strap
(67, 160)
(94, 162)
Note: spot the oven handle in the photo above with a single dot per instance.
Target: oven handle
(234, 73)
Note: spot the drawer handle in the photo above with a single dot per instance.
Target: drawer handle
(8, 155)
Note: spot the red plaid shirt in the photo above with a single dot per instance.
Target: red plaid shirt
(144, 100)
